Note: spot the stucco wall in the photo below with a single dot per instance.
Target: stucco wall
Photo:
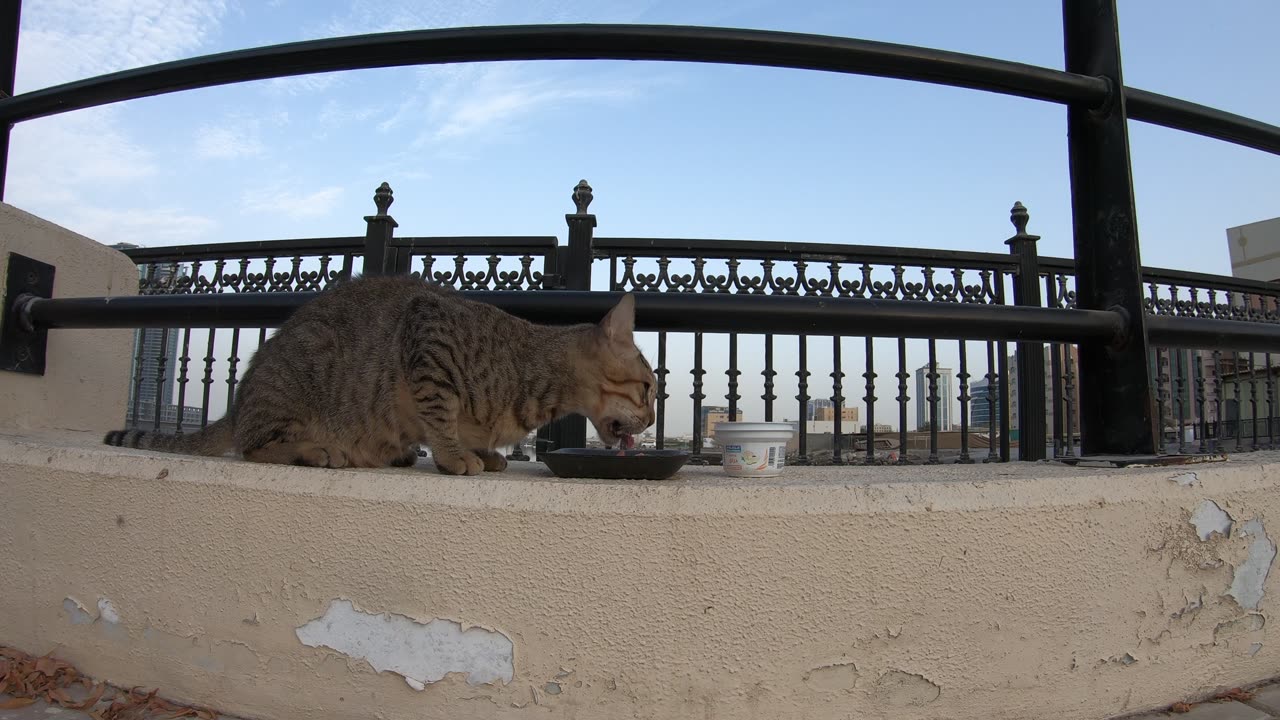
(86, 381)
(1022, 591)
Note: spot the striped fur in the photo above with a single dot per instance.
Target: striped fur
(375, 367)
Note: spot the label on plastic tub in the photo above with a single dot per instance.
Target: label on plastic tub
(754, 458)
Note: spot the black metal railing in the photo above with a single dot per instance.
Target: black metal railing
(1129, 349)
(1015, 405)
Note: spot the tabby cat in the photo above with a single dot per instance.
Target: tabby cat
(376, 366)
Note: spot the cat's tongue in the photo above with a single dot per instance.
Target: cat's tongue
(626, 442)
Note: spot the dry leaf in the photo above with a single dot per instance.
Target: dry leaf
(1180, 707)
(15, 703)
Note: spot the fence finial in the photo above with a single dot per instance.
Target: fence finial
(582, 196)
(382, 197)
(1019, 216)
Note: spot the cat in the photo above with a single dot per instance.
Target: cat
(376, 366)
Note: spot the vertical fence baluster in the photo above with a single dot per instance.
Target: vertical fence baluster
(963, 376)
(1271, 403)
(732, 396)
(661, 372)
(1253, 398)
(208, 379)
(802, 396)
(1002, 376)
(1202, 424)
(1070, 388)
(1180, 383)
(768, 374)
(233, 360)
(1217, 400)
(992, 398)
(1239, 402)
(934, 419)
(870, 400)
(837, 402)
(1057, 400)
(1002, 381)
(182, 379)
(1163, 391)
(903, 398)
(698, 397)
(161, 362)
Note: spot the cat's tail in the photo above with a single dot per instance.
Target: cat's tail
(215, 439)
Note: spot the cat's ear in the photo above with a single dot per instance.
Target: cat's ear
(620, 323)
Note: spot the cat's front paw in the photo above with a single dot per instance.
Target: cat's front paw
(464, 463)
(493, 460)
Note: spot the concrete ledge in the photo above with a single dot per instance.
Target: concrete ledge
(997, 591)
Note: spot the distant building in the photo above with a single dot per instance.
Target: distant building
(828, 412)
(151, 346)
(1068, 379)
(1255, 250)
(946, 394)
(815, 406)
(984, 398)
(712, 414)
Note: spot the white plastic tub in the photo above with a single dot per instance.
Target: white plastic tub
(754, 449)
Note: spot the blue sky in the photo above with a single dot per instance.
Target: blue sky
(671, 149)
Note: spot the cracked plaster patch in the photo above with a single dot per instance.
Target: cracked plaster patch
(1208, 518)
(1250, 576)
(422, 653)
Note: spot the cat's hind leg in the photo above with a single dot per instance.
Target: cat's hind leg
(301, 452)
(408, 459)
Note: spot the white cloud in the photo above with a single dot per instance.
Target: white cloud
(64, 40)
(153, 227)
(74, 150)
(236, 136)
(303, 84)
(224, 142)
(290, 203)
(60, 165)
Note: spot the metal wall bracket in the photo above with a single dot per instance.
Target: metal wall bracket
(23, 350)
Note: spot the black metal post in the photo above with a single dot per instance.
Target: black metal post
(10, 20)
(1117, 410)
(575, 272)
(381, 228)
(1032, 437)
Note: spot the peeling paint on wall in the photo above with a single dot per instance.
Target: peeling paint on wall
(835, 677)
(77, 613)
(107, 612)
(1185, 479)
(1252, 622)
(422, 653)
(1208, 518)
(1251, 575)
(904, 689)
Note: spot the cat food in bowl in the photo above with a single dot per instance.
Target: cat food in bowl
(754, 449)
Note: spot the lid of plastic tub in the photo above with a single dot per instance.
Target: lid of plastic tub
(732, 427)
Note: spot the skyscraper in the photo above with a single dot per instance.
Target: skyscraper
(150, 346)
(945, 393)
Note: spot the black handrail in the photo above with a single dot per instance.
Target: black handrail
(563, 42)
(654, 311)
(634, 42)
